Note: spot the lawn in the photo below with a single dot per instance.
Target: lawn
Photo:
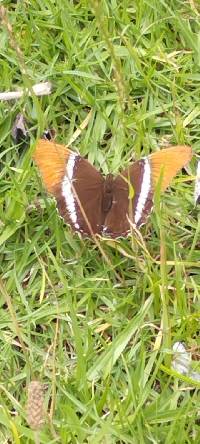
(94, 322)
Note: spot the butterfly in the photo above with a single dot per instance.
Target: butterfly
(92, 204)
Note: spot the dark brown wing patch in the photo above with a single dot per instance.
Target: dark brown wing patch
(81, 203)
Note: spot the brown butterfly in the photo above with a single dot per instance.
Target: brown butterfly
(92, 204)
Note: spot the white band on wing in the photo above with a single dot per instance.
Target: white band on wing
(67, 191)
(197, 184)
(145, 188)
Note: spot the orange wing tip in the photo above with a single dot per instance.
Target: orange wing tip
(168, 162)
(51, 159)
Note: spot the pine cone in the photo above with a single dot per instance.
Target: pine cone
(35, 408)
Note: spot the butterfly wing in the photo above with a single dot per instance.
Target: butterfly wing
(142, 176)
(167, 163)
(75, 183)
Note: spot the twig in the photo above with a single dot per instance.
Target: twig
(39, 89)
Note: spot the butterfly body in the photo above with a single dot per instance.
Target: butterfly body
(92, 204)
(107, 197)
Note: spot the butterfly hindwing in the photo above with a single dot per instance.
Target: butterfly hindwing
(82, 196)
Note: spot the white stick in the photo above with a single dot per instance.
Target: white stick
(39, 89)
(197, 184)
(81, 128)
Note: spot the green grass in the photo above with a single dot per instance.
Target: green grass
(99, 333)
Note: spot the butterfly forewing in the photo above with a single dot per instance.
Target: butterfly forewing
(165, 164)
